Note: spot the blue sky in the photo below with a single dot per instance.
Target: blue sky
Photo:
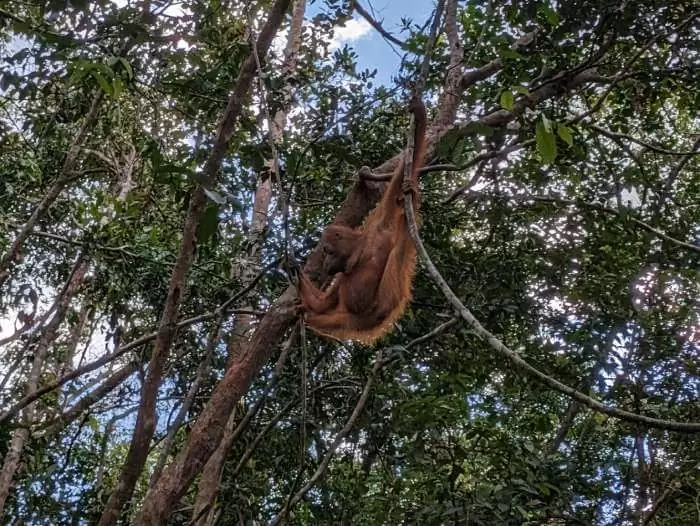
(373, 50)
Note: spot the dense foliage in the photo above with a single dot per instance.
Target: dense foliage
(579, 249)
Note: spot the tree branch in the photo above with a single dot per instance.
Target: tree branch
(493, 154)
(89, 367)
(615, 135)
(625, 69)
(377, 25)
(160, 499)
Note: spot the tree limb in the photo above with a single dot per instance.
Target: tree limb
(657, 149)
(377, 25)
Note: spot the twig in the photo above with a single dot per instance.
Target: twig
(429, 46)
(437, 331)
(82, 244)
(377, 25)
(658, 149)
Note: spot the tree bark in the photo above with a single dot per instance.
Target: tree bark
(249, 265)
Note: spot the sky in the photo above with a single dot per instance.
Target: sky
(372, 49)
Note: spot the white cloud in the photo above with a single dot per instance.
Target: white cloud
(352, 30)
(6, 327)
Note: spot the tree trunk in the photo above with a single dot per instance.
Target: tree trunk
(248, 266)
(146, 418)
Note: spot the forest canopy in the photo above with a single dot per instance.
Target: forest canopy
(167, 169)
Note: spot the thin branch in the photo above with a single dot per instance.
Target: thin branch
(434, 333)
(208, 491)
(81, 244)
(429, 47)
(94, 396)
(626, 148)
(493, 154)
(616, 135)
(658, 503)
(251, 448)
(386, 176)
(625, 69)
(503, 117)
(473, 76)
(377, 25)
(515, 359)
(452, 28)
(675, 172)
(204, 366)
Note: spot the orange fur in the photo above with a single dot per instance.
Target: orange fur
(374, 288)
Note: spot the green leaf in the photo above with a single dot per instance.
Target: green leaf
(448, 143)
(546, 143)
(476, 128)
(550, 14)
(509, 53)
(507, 99)
(564, 133)
(21, 27)
(117, 86)
(106, 86)
(547, 123)
(170, 168)
(522, 511)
